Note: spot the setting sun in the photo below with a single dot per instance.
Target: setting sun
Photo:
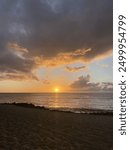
(56, 90)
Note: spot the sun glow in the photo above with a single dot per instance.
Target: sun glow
(56, 90)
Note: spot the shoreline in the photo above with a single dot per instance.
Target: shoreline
(68, 110)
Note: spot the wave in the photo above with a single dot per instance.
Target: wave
(61, 109)
(84, 111)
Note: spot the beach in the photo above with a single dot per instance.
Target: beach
(30, 128)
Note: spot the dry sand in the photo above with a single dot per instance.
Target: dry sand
(23, 128)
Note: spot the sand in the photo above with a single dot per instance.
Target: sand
(24, 128)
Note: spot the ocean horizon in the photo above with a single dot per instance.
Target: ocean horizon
(74, 102)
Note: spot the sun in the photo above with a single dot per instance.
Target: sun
(56, 90)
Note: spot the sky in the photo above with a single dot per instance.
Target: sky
(47, 45)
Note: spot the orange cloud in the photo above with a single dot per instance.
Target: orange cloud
(82, 55)
(74, 69)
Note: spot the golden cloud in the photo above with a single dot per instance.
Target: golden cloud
(81, 55)
(74, 69)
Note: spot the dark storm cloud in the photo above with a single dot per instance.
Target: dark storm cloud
(84, 83)
(14, 66)
(49, 27)
(67, 25)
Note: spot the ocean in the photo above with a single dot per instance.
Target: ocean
(74, 102)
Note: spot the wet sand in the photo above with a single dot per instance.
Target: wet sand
(26, 128)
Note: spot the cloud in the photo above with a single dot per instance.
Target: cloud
(17, 76)
(45, 81)
(17, 50)
(73, 25)
(74, 69)
(84, 83)
(107, 86)
(50, 33)
(62, 58)
(14, 64)
(81, 82)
